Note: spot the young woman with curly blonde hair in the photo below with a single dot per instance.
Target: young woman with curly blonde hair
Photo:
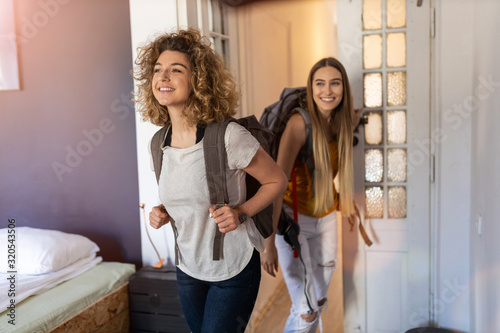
(184, 85)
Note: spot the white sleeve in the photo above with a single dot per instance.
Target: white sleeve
(241, 146)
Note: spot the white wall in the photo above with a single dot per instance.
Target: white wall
(149, 18)
(452, 190)
(467, 100)
(485, 116)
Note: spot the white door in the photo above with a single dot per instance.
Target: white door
(384, 45)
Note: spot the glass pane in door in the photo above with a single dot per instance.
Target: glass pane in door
(396, 49)
(396, 127)
(373, 90)
(396, 88)
(372, 51)
(372, 14)
(396, 165)
(373, 128)
(374, 165)
(374, 197)
(396, 14)
(397, 202)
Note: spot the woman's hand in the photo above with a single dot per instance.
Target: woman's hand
(158, 217)
(225, 217)
(269, 259)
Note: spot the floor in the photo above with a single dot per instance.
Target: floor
(274, 320)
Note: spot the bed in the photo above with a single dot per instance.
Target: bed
(55, 282)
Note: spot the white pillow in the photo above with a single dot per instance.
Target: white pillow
(39, 251)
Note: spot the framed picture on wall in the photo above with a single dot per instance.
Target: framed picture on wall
(9, 69)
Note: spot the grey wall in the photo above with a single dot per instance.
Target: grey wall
(68, 152)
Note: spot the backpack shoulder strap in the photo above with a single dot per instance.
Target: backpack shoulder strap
(214, 151)
(307, 148)
(306, 151)
(156, 152)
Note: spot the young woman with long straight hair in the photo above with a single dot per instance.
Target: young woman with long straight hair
(329, 103)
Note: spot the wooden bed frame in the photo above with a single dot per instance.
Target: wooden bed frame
(108, 314)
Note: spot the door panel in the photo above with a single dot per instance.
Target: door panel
(264, 56)
(387, 270)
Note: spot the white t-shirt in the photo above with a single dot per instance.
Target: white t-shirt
(184, 192)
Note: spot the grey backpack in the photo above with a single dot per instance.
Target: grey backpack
(214, 151)
(276, 116)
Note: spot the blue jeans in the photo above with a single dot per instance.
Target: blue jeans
(222, 306)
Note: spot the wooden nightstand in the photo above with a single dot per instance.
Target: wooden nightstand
(154, 302)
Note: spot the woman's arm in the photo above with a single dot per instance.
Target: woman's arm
(272, 179)
(273, 184)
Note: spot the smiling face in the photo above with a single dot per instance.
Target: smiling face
(328, 89)
(171, 78)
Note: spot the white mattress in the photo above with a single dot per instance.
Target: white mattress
(28, 285)
(45, 311)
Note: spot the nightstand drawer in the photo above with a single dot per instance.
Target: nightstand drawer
(154, 302)
(147, 322)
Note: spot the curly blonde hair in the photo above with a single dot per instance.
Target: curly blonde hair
(213, 96)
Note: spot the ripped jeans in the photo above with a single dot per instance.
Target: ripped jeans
(318, 240)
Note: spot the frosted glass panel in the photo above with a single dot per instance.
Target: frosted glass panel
(372, 14)
(396, 88)
(396, 49)
(374, 165)
(372, 51)
(396, 13)
(396, 165)
(396, 127)
(396, 202)
(374, 197)
(373, 129)
(373, 90)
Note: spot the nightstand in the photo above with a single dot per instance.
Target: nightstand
(154, 302)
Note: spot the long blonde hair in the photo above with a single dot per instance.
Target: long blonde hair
(341, 120)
